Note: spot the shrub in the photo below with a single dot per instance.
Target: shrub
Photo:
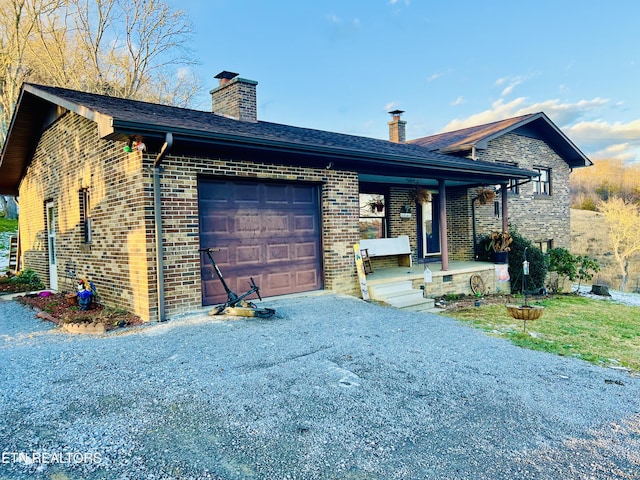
(573, 267)
(537, 263)
(588, 204)
(28, 277)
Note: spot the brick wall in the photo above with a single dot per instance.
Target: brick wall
(121, 257)
(340, 209)
(69, 157)
(537, 217)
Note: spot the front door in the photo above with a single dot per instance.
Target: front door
(51, 244)
(430, 228)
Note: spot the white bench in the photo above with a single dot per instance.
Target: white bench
(382, 247)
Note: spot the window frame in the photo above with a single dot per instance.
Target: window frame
(369, 216)
(84, 198)
(542, 186)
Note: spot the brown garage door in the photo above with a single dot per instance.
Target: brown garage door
(268, 231)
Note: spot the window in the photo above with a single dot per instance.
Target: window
(85, 215)
(373, 221)
(542, 184)
(545, 245)
(513, 188)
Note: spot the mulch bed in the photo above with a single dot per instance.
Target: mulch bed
(57, 309)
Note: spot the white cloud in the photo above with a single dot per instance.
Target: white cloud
(391, 106)
(458, 101)
(433, 77)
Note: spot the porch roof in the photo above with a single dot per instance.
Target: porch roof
(200, 133)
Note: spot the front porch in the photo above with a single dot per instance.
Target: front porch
(455, 280)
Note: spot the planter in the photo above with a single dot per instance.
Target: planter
(500, 257)
(71, 299)
(525, 312)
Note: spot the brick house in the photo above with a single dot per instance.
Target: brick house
(127, 192)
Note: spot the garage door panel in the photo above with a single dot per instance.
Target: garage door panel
(303, 196)
(280, 281)
(305, 223)
(278, 252)
(247, 254)
(306, 251)
(307, 278)
(276, 194)
(268, 231)
(275, 223)
(244, 193)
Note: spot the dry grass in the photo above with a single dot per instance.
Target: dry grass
(589, 236)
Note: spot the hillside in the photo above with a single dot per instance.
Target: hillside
(589, 237)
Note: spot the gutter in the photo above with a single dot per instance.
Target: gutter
(166, 147)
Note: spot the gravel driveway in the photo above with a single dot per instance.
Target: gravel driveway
(330, 388)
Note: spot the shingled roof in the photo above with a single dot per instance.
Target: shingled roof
(199, 132)
(536, 125)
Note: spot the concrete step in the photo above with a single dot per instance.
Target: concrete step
(384, 290)
(428, 305)
(401, 300)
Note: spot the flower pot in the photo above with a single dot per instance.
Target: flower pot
(500, 257)
(71, 299)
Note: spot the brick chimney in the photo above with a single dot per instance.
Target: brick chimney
(235, 97)
(397, 127)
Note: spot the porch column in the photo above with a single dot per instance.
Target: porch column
(505, 208)
(442, 214)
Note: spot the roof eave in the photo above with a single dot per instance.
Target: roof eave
(125, 128)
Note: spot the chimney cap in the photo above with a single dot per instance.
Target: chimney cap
(225, 75)
(396, 113)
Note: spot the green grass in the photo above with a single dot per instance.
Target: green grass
(8, 225)
(597, 331)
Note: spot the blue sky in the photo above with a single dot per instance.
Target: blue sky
(342, 65)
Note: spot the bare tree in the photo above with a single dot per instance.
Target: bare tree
(18, 29)
(623, 221)
(133, 49)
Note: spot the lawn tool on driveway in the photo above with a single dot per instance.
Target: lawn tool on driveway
(236, 304)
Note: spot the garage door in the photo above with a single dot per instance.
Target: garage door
(268, 231)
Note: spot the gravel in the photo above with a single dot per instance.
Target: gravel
(330, 388)
(632, 299)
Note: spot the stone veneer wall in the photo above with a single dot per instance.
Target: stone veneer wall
(537, 217)
(121, 257)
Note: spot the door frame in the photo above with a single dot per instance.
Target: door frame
(52, 253)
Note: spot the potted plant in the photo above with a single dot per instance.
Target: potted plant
(486, 195)
(419, 195)
(499, 242)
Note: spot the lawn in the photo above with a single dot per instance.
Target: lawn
(600, 332)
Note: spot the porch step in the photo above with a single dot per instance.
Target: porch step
(382, 291)
(428, 305)
(401, 295)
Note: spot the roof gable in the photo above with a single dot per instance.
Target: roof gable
(536, 125)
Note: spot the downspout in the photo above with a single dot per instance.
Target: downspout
(442, 214)
(473, 227)
(166, 147)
